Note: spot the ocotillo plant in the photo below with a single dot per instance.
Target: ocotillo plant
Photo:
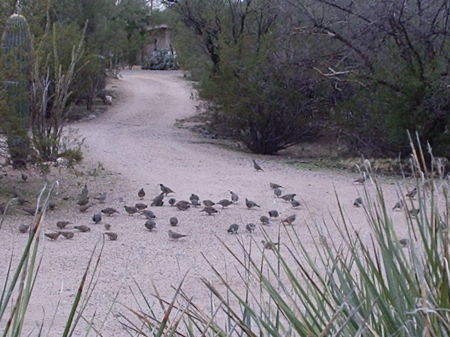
(16, 62)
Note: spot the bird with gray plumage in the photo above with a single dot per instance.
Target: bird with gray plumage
(51, 206)
(101, 197)
(62, 224)
(275, 186)
(24, 177)
(224, 203)
(269, 245)
(109, 211)
(289, 220)
(150, 225)
(173, 221)
(234, 197)
(158, 200)
(403, 242)
(411, 194)
(52, 236)
(166, 190)
(83, 201)
(274, 213)
(130, 210)
(83, 228)
(288, 197)
(295, 203)
(141, 193)
(84, 192)
(182, 205)
(148, 214)
(398, 205)
(172, 201)
(140, 206)
(111, 236)
(250, 204)
(233, 229)
(31, 211)
(209, 210)
(250, 227)
(208, 203)
(264, 220)
(360, 181)
(195, 202)
(175, 236)
(194, 197)
(67, 235)
(277, 192)
(84, 208)
(414, 212)
(24, 228)
(107, 226)
(358, 202)
(97, 218)
(256, 166)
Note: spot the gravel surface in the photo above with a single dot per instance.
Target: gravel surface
(138, 144)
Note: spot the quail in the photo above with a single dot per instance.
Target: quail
(208, 203)
(360, 181)
(414, 211)
(269, 245)
(51, 206)
(111, 236)
(82, 228)
(166, 190)
(194, 197)
(289, 220)
(264, 220)
(195, 202)
(150, 225)
(175, 236)
(62, 224)
(250, 204)
(250, 227)
(140, 206)
(256, 166)
(31, 211)
(295, 203)
(182, 205)
(225, 203)
(411, 194)
(398, 205)
(234, 197)
(21, 201)
(130, 210)
(101, 197)
(288, 197)
(97, 218)
(172, 201)
(274, 213)
(24, 228)
(173, 221)
(233, 229)
(109, 211)
(148, 214)
(358, 202)
(403, 242)
(52, 236)
(209, 210)
(24, 177)
(107, 226)
(84, 192)
(83, 201)
(158, 200)
(277, 192)
(67, 235)
(274, 186)
(84, 208)
(141, 193)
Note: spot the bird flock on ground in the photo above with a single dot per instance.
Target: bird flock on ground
(67, 230)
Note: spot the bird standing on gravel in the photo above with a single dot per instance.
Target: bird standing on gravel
(225, 203)
(175, 236)
(269, 245)
(251, 204)
(109, 211)
(111, 236)
(358, 202)
(277, 192)
(84, 208)
(158, 200)
(148, 214)
(195, 202)
(233, 229)
(62, 224)
(411, 194)
(83, 228)
(97, 218)
(274, 213)
(101, 197)
(234, 197)
(264, 220)
(360, 181)
(166, 190)
(31, 211)
(194, 197)
(52, 236)
(24, 177)
(67, 235)
(150, 225)
(250, 227)
(208, 203)
(256, 166)
(24, 228)
(107, 226)
(274, 186)
(414, 211)
(288, 197)
(295, 203)
(83, 201)
(173, 221)
(141, 193)
(140, 206)
(182, 205)
(398, 205)
(209, 210)
(172, 201)
(84, 192)
(289, 220)
(130, 210)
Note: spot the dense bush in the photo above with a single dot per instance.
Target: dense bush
(162, 59)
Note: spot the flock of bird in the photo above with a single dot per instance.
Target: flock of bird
(208, 207)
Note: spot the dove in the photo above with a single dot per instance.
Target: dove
(182, 205)
(275, 186)
(172, 201)
(67, 235)
(194, 197)
(289, 220)
(130, 210)
(158, 200)
(233, 229)
(24, 177)
(175, 236)
(234, 197)
(173, 221)
(295, 203)
(82, 228)
(166, 190)
(101, 197)
(52, 236)
(141, 193)
(62, 224)
(83, 201)
(111, 236)
(411, 194)
(250, 227)
(358, 202)
(277, 192)
(225, 203)
(274, 213)
(109, 211)
(148, 214)
(360, 181)
(84, 208)
(24, 228)
(250, 204)
(97, 218)
(208, 203)
(209, 210)
(288, 197)
(264, 220)
(256, 166)
(269, 245)
(150, 225)
(195, 202)
(398, 205)
(107, 226)
(140, 206)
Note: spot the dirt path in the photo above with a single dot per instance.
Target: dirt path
(137, 138)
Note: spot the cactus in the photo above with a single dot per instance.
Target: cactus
(16, 64)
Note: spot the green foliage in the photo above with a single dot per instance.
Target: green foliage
(160, 60)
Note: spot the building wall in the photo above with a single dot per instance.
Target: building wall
(157, 39)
